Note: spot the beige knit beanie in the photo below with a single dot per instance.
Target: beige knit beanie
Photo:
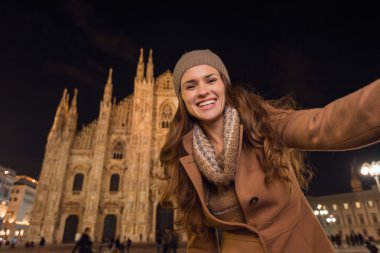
(195, 58)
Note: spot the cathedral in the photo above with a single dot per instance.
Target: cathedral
(107, 176)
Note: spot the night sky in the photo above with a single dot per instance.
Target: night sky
(316, 52)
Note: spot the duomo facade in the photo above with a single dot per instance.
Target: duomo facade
(107, 175)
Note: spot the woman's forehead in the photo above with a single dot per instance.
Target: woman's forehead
(199, 71)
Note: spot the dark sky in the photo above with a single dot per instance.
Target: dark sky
(317, 52)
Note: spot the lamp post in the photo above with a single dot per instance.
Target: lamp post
(321, 212)
(372, 169)
(330, 220)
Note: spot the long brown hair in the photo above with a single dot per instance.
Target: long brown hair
(255, 115)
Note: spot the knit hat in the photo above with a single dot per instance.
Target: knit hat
(195, 58)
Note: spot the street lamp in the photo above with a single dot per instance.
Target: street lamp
(321, 211)
(330, 220)
(373, 170)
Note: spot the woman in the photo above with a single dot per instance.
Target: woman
(234, 160)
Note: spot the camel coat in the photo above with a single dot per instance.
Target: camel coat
(279, 215)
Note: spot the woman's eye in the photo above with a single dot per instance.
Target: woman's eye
(211, 80)
(190, 86)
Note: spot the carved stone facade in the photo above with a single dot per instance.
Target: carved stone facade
(106, 176)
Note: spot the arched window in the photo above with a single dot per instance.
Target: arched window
(118, 151)
(166, 117)
(114, 183)
(78, 182)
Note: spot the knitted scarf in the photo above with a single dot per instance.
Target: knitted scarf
(219, 170)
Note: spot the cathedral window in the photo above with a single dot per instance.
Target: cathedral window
(166, 117)
(374, 218)
(114, 183)
(349, 219)
(337, 220)
(361, 219)
(78, 182)
(118, 152)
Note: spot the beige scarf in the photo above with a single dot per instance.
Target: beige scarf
(219, 169)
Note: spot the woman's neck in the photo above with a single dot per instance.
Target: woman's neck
(215, 133)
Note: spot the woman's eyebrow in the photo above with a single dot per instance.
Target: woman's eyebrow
(210, 75)
(191, 81)
(204, 77)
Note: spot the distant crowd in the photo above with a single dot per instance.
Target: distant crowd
(28, 244)
(354, 240)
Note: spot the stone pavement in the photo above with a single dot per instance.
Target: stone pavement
(67, 248)
(136, 248)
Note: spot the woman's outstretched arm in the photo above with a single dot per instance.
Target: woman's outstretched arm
(350, 122)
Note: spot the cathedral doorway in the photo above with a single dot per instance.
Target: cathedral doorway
(109, 228)
(71, 228)
(164, 219)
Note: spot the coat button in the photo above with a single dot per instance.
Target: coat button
(253, 201)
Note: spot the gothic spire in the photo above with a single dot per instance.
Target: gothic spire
(73, 114)
(108, 89)
(60, 110)
(356, 184)
(150, 66)
(59, 115)
(73, 106)
(66, 102)
(140, 66)
(63, 99)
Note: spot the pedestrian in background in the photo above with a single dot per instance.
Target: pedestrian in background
(158, 241)
(42, 242)
(129, 244)
(173, 242)
(84, 244)
(166, 241)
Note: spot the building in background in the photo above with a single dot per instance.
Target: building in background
(7, 178)
(21, 201)
(353, 212)
(106, 176)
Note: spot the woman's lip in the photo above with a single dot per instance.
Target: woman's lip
(208, 106)
(203, 101)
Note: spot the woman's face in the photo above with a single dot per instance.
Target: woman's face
(203, 93)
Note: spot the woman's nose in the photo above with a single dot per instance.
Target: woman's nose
(203, 89)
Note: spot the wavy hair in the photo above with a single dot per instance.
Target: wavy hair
(256, 116)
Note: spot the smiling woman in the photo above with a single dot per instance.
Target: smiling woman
(202, 91)
(235, 160)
